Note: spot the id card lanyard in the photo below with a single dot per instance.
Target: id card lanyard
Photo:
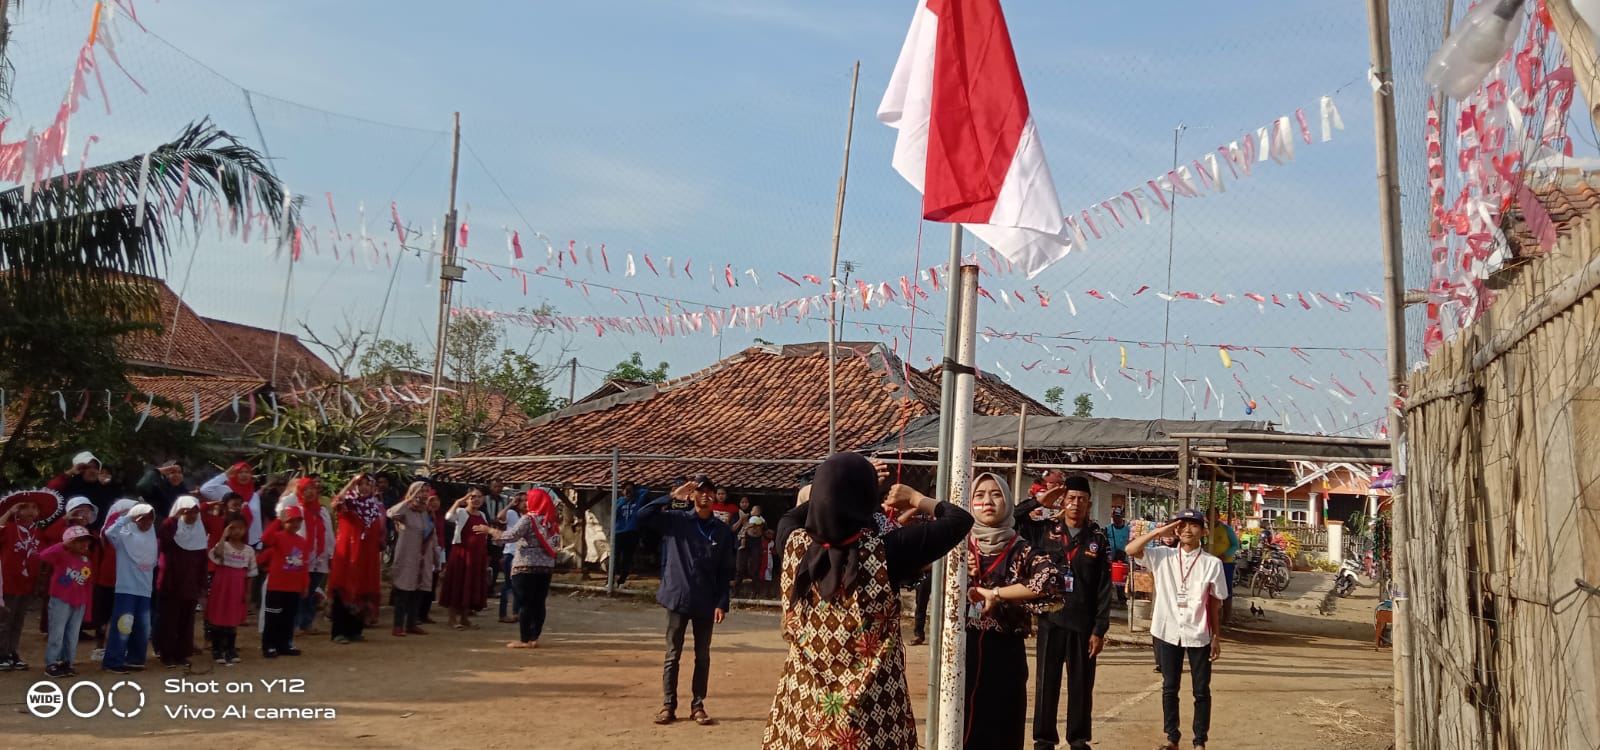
(1183, 582)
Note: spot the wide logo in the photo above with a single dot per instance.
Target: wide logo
(86, 700)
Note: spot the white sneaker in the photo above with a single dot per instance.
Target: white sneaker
(98, 655)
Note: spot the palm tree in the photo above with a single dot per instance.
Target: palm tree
(67, 253)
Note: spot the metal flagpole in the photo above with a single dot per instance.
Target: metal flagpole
(833, 265)
(953, 642)
(449, 274)
(947, 397)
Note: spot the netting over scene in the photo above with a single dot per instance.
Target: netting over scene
(1219, 174)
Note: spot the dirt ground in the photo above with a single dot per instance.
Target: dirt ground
(595, 683)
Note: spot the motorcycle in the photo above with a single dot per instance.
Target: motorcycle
(1345, 583)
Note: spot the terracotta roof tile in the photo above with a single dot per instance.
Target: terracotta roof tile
(1567, 198)
(994, 396)
(765, 402)
(216, 395)
(296, 362)
(185, 344)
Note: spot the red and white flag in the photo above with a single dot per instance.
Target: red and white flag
(967, 139)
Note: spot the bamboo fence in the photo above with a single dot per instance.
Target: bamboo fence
(1502, 514)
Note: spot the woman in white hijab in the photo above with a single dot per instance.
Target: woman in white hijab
(1008, 583)
(183, 580)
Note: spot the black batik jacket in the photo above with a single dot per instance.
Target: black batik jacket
(1087, 608)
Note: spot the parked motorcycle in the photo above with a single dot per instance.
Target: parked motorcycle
(1344, 584)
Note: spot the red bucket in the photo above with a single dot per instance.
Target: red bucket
(1119, 572)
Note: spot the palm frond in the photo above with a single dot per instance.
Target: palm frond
(79, 232)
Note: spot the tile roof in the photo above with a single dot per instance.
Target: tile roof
(401, 398)
(216, 395)
(994, 396)
(296, 363)
(185, 344)
(611, 387)
(765, 402)
(1566, 195)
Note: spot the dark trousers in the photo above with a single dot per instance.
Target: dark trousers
(224, 641)
(307, 615)
(277, 629)
(425, 599)
(532, 590)
(175, 638)
(344, 619)
(627, 543)
(677, 623)
(407, 608)
(1059, 647)
(997, 690)
(919, 626)
(1171, 658)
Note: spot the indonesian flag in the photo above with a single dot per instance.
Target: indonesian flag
(967, 139)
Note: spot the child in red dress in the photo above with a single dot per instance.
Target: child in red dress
(235, 565)
(19, 558)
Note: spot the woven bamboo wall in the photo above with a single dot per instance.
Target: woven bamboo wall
(1502, 510)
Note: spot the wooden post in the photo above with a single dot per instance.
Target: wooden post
(1575, 36)
(1022, 443)
(1183, 473)
(1394, 288)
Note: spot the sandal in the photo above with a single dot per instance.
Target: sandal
(702, 718)
(666, 715)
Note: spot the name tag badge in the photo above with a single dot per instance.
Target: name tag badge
(1183, 599)
(974, 611)
(1066, 580)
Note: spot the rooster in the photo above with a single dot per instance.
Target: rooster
(1257, 611)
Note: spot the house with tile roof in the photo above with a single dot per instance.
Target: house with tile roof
(296, 365)
(765, 407)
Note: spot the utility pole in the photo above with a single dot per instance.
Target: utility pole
(833, 265)
(1394, 289)
(572, 385)
(1576, 37)
(449, 274)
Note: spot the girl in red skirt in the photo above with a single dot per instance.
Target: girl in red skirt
(235, 564)
(464, 591)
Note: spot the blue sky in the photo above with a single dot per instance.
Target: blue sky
(712, 130)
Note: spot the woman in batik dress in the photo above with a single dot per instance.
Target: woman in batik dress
(1008, 582)
(844, 683)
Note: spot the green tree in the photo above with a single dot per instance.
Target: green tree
(633, 369)
(1083, 406)
(1054, 396)
(68, 254)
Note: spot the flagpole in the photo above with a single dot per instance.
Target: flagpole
(947, 398)
(833, 267)
(952, 647)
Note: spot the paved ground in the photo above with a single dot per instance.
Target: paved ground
(595, 683)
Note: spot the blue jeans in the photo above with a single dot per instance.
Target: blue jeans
(130, 632)
(65, 619)
(308, 603)
(508, 589)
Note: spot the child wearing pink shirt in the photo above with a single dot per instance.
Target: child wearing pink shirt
(71, 583)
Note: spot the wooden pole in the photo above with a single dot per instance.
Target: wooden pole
(1388, 159)
(1022, 444)
(1184, 457)
(1576, 37)
(449, 274)
(833, 268)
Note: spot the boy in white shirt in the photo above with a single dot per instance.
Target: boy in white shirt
(1186, 622)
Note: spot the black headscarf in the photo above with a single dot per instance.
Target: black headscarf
(843, 499)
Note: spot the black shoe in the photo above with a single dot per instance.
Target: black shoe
(269, 653)
(115, 670)
(289, 652)
(17, 664)
(55, 670)
(233, 656)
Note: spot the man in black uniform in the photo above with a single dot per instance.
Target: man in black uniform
(1058, 524)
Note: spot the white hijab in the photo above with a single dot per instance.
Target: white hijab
(140, 545)
(190, 535)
